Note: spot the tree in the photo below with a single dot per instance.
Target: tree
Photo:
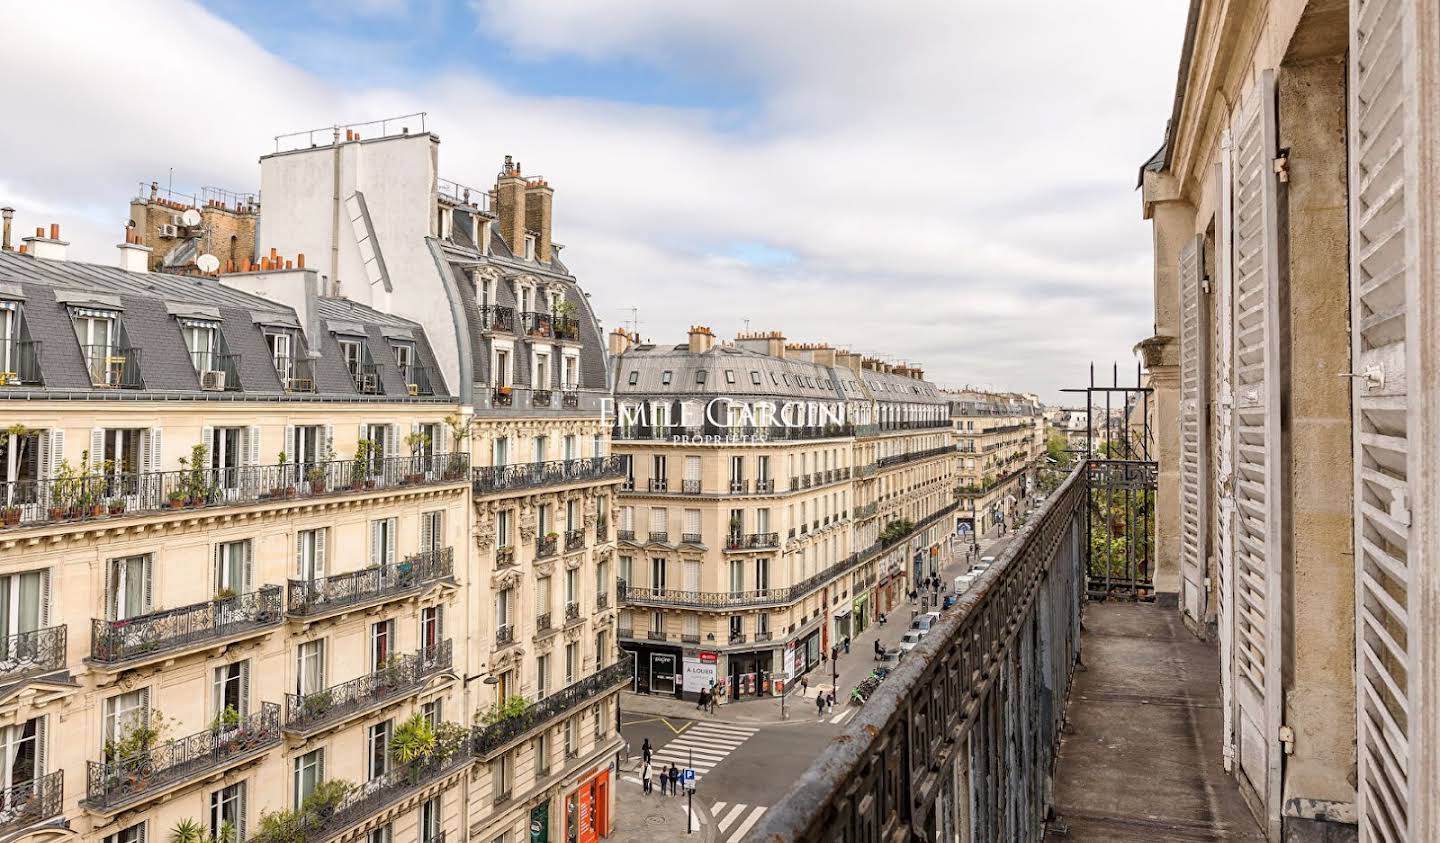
(1055, 450)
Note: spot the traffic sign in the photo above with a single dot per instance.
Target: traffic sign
(689, 777)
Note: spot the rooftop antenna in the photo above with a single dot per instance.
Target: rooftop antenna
(747, 325)
(634, 319)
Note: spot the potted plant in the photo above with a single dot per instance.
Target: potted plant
(317, 473)
(418, 442)
(226, 721)
(175, 498)
(413, 741)
(360, 466)
(191, 831)
(460, 429)
(10, 515)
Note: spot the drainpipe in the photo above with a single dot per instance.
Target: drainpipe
(335, 220)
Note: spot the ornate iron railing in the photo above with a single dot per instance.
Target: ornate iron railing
(491, 478)
(574, 540)
(541, 398)
(32, 653)
(487, 739)
(119, 781)
(569, 400)
(898, 459)
(503, 396)
(494, 317)
(326, 594)
(208, 363)
(542, 622)
(660, 536)
(752, 541)
(505, 634)
(113, 641)
(572, 612)
(545, 546)
(978, 703)
(113, 367)
(367, 378)
(399, 677)
(33, 802)
(99, 495)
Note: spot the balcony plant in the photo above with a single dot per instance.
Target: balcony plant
(196, 484)
(191, 831)
(417, 442)
(294, 826)
(460, 428)
(413, 740)
(226, 720)
(285, 489)
(502, 711)
(316, 705)
(175, 498)
(9, 515)
(360, 466)
(316, 474)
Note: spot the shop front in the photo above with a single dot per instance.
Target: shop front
(658, 669)
(934, 559)
(862, 612)
(884, 593)
(587, 809)
(842, 622)
(540, 823)
(807, 651)
(701, 672)
(749, 674)
(918, 566)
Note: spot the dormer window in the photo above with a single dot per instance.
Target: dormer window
(634, 377)
(529, 247)
(755, 378)
(363, 370)
(665, 377)
(700, 377)
(108, 357)
(729, 375)
(206, 345)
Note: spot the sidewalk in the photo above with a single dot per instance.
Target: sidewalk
(642, 819)
(853, 667)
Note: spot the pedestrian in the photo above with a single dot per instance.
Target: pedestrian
(646, 750)
(674, 780)
(700, 703)
(830, 701)
(646, 772)
(710, 701)
(847, 645)
(879, 651)
(820, 705)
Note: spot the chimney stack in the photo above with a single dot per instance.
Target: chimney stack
(764, 342)
(620, 342)
(50, 248)
(538, 198)
(701, 339)
(510, 206)
(134, 255)
(8, 214)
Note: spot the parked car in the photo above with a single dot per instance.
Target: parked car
(924, 622)
(911, 639)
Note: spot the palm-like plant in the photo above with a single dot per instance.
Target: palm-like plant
(191, 831)
(413, 740)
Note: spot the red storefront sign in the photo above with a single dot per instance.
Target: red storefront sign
(706, 656)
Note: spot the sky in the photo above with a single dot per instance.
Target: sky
(947, 183)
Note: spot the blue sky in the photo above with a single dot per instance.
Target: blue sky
(942, 182)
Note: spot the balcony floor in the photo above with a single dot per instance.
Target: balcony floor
(1143, 762)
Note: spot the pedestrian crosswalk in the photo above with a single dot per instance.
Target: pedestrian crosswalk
(735, 819)
(703, 746)
(844, 715)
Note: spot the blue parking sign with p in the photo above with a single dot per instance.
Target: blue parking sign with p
(689, 779)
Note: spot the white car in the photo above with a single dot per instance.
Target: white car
(911, 640)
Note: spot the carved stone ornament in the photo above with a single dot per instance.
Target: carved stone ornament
(527, 525)
(574, 561)
(545, 569)
(484, 535)
(544, 643)
(573, 633)
(603, 554)
(505, 579)
(506, 659)
(589, 519)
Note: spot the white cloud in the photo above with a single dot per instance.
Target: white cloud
(954, 178)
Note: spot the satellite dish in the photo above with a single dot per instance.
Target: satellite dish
(207, 263)
(191, 217)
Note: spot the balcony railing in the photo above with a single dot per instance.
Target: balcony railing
(218, 372)
(660, 536)
(545, 546)
(572, 612)
(491, 479)
(494, 317)
(95, 496)
(602, 600)
(32, 653)
(569, 400)
(657, 484)
(116, 641)
(657, 635)
(574, 540)
(625, 535)
(505, 634)
(537, 324)
(24, 367)
(297, 374)
(310, 598)
(487, 739)
(541, 398)
(504, 556)
(752, 541)
(399, 677)
(739, 487)
(31, 803)
(503, 396)
(542, 622)
(417, 379)
(688, 487)
(1017, 625)
(897, 459)
(112, 784)
(367, 378)
(692, 538)
(113, 367)
(565, 328)
(765, 486)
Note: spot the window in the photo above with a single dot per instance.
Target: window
(665, 377)
(572, 738)
(382, 643)
(432, 531)
(542, 595)
(542, 676)
(309, 772)
(737, 576)
(657, 575)
(543, 520)
(377, 749)
(306, 446)
(227, 813)
(572, 661)
(570, 378)
(572, 586)
(634, 377)
(404, 360)
(540, 449)
(430, 819)
(231, 690)
(755, 378)
(24, 602)
(281, 344)
(133, 834)
(570, 449)
(383, 834)
(310, 667)
(658, 519)
(762, 574)
(700, 377)
(602, 577)
(729, 375)
(737, 627)
(352, 352)
(98, 333)
(691, 626)
(128, 591)
(432, 626)
(602, 648)
(502, 367)
(201, 339)
(542, 753)
(502, 527)
(434, 712)
(762, 623)
(692, 523)
(502, 607)
(232, 568)
(124, 712)
(500, 774)
(382, 541)
(542, 371)
(627, 565)
(22, 754)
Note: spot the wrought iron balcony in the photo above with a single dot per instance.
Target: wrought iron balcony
(401, 676)
(541, 398)
(297, 374)
(737, 638)
(494, 317)
(100, 496)
(686, 638)
(657, 484)
(625, 535)
(114, 642)
(657, 635)
(762, 636)
(26, 804)
(765, 486)
(24, 364)
(625, 631)
(574, 540)
(570, 399)
(602, 601)
(504, 556)
(537, 324)
(572, 612)
(898, 459)
(32, 653)
(486, 740)
(116, 783)
(505, 634)
(366, 377)
(417, 379)
(491, 479)
(542, 622)
(660, 536)
(602, 531)
(113, 367)
(739, 487)
(689, 487)
(545, 546)
(565, 328)
(321, 596)
(752, 541)
(692, 538)
(217, 372)
(503, 396)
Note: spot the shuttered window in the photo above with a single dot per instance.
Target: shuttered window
(1193, 505)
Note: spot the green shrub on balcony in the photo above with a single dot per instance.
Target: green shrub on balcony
(291, 826)
(502, 711)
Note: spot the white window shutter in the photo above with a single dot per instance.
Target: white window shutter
(291, 451)
(152, 450)
(364, 433)
(218, 579)
(244, 689)
(320, 551)
(1258, 444)
(1392, 229)
(252, 445)
(248, 585)
(392, 441)
(1193, 378)
(299, 553)
(327, 443)
(45, 598)
(149, 569)
(426, 536)
(376, 543)
(97, 447)
(207, 438)
(390, 539)
(42, 746)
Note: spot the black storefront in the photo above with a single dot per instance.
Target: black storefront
(658, 668)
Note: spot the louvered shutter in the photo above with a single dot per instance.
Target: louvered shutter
(427, 535)
(1224, 471)
(45, 598)
(327, 443)
(1193, 503)
(292, 449)
(1255, 239)
(391, 525)
(42, 746)
(320, 551)
(1391, 112)
(376, 543)
(219, 579)
(97, 448)
(207, 438)
(300, 553)
(148, 567)
(249, 568)
(252, 445)
(392, 441)
(244, 691)
(153, 441)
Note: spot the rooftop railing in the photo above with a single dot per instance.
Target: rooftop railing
(113, 367)
(117, 782)
(24, 364)
(217, 372)
(167, 630)
(491, 479)
(94, 496)
(461, 194)
(1017, 627)
(308, 598)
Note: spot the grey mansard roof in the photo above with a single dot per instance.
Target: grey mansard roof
(150, 306)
